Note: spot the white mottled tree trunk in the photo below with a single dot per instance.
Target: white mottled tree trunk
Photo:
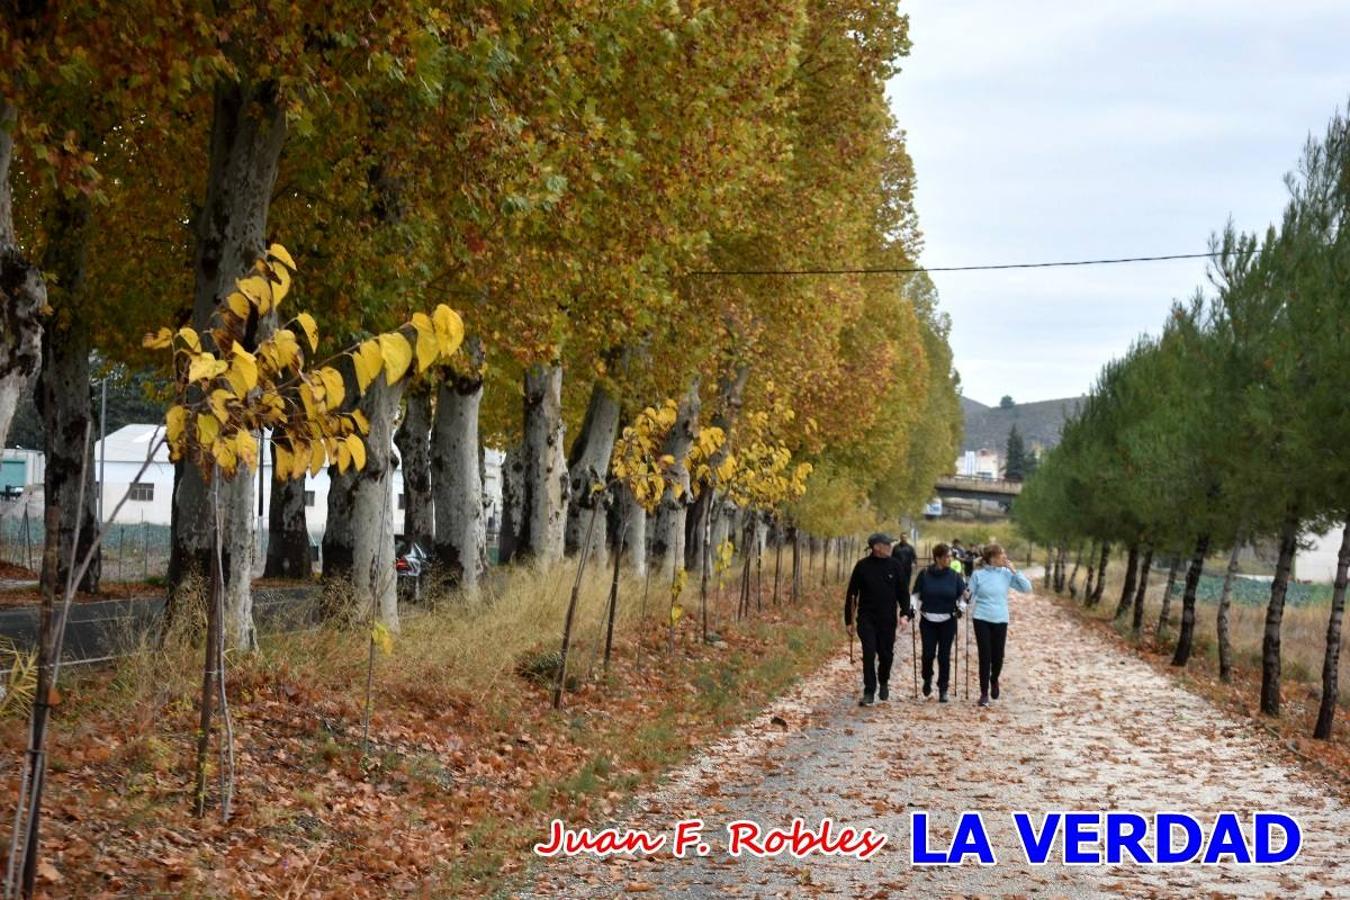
(23, 294)
(635, 532)
(358, 544)
(456, 480)
(544, 500)
(588, 465)
(248, 129)
(668, 537)
(237, 498)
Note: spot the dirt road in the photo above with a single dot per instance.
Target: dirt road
(1081, 725)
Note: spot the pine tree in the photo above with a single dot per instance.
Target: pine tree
(1015, 468)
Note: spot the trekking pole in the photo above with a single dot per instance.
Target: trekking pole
(967, 654)
(914, 655)
(853, 617)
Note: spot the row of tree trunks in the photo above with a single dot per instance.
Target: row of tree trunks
(543, 502)
(248, 130)
(1270, 642)
(1091, 573)
(358, 543)
(1165, 614)
(1131, 573)
(1225, 642)
(1326, 711)
(731, 397)
(413, 440)
(62, 393)
(1145, 567)
(1073, 576)
(667, 546)
(1186, 637)
(460, 541)
(23, 292)
(1101, 575)
(588, 465)
(288, 553)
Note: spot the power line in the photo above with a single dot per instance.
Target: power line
(904, 270)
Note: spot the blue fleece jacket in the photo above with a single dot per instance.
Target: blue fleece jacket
(989, 592)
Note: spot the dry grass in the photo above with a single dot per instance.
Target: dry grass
(467, 761)
(454, 646)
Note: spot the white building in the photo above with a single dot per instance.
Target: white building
(120, 456)
(1319, 562)
(980, 464)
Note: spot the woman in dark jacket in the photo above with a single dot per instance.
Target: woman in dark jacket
(939, 590)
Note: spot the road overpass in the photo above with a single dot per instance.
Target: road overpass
(969, 487)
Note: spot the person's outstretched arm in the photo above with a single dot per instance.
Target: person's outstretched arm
(1020, 582)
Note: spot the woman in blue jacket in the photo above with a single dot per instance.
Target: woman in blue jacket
(989, 588)
(940, 590)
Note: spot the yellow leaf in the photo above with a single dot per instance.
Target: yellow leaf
(367, 361)
(332, 385)
(190, 339)
(357, 448)
(224, 454)
(428, 347)
(307, 398)
(449, 329)
(311, 329)
(247, 366)
(208, 429)
(397, 354)
(176, 422)
(281, 255)
(362, 423)
(281, 283)
(284, 462)
(259, 290)
(317, 457)
(219, 397)
(676, 613)
(247, 448)
(159, 340)
(239, 304)
(344, 457)
(203, 365)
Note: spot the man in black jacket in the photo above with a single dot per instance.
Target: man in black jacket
(878, 592)
(904, 554)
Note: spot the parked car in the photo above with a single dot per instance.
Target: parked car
(409, 562)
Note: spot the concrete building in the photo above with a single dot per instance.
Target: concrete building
(121, 455)
(980, 464)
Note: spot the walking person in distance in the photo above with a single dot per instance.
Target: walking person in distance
(878, 594)
(939, 589)
(904, 554)
(989, 593)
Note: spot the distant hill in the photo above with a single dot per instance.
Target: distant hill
(987, 427)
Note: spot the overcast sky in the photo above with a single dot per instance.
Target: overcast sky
(1063, 129)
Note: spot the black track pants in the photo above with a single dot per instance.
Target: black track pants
(990, 637)
(878, 650)
(937, 641)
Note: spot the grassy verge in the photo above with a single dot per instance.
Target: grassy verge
(1303, 640)
(466, 761)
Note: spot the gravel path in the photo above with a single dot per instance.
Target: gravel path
(1081, 726)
